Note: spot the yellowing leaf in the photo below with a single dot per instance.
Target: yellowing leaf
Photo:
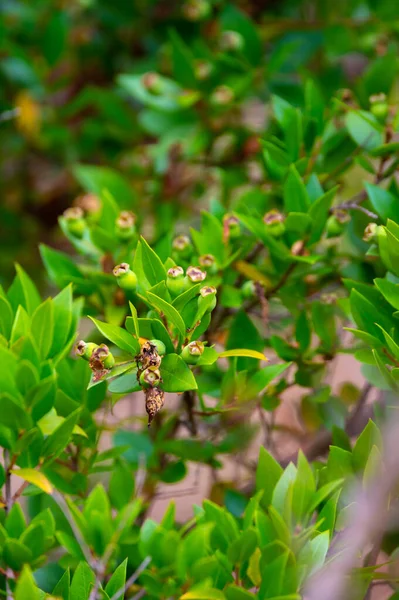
(77, 430)
(29, 114)
(33, 476)
(253, 570)
(251, 272)
(243, 352)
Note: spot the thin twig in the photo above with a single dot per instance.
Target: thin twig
(132, 579)
(355, 206)
(76, 531)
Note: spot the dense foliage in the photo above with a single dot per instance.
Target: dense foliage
(225, 180)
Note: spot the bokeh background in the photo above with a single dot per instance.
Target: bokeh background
(76, 113)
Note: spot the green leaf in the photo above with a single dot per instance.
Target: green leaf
(43, 327)
(6, 317)
(364, 129)
(60, 267)
(369, 437)
(322, 493)
(121, 484)
(21, 326)
(26, 586)
(203, 593)
(242, 548)
(125, 384)
(56, 442)
(152, 264)
(296, 198)
(15, 522)
(319, 211)
(16, 554)
(383, 202)
(117, 581)
(97, 179)
(62, 305)
(237, 593)
(389, 290)
(118, 336)
(176, 375)
(23, 291)
(268, 473)
(82, 582)
(62, 588)
(169, 311)
(136, 329)
(210, 239)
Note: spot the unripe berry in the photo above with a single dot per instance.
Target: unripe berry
(150, 378)
(222, 96)
(75, 222)
(205, 301)
(379, 106)
(336, 222)
(175, 281)
(85, 349)
(231, 41)
(208, 262)
(192, 352)
(182, 246)
(125, 225)
(152, 82)
(231, 226)
(127, 279)
(370, 233)
(195, 275)
(160, 346)
(91, 206)
(196, 10)
(249, 290)
(274, 221)
(203, 69)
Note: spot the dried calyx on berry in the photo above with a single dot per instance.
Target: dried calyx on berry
(203, 69)
(85, 349)
(91, 206)
(75, 221)
(192, 352)
(149, 356)
(101, 360)
(231, 41)
(207, 299)
(195, 275)
(125, 225)
(176, 282)
(222, 96)
(126, 278)
(231, 227)
(152, 82)
(196, 10)
(274, 220)
(371, 232)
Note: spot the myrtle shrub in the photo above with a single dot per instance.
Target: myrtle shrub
(251, 242)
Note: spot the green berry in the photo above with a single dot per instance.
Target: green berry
(160, 346)
(176, 282)
(231, 41)
(274, 221)
(75, 221)
(231, 227)
(182, 246)
(150, 378)
(125, 226)
(207, 299)
(379, 106)
(127, 279)
(249, 290)
(336, 222)
(370, 233)
(85, 349)
(192, 352)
